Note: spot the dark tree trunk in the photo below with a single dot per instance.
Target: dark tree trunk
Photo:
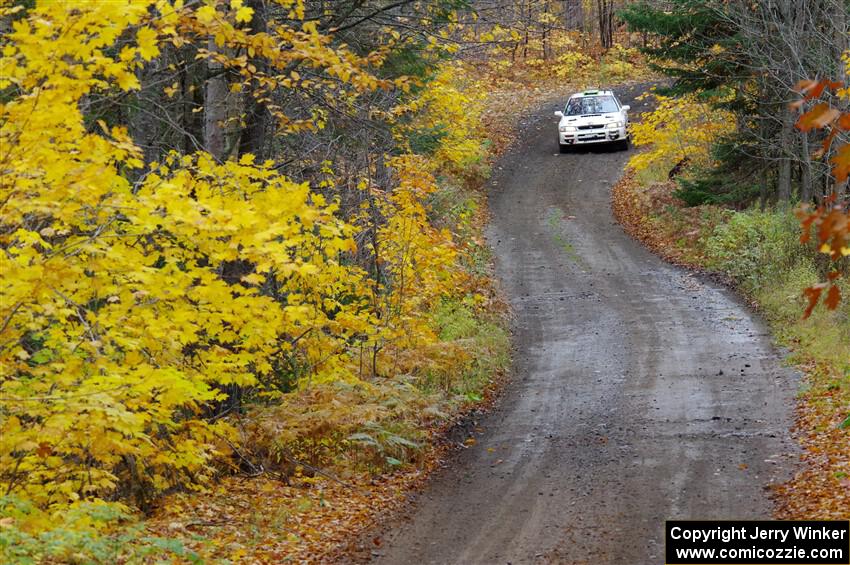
(606, 23)
(805, 169)
(785, 137)
(253, 139)
(215, 107)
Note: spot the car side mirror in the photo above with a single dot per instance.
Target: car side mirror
(559, 114)
(626, 108)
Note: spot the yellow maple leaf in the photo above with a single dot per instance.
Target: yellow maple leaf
(147, 40)
(244, 14)
(127, 80)
(206, 14)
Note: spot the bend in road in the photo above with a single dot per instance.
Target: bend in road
(641, 392)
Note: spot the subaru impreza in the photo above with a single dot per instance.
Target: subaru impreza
(593, 116)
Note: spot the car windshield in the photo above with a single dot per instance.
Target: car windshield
(591, 105)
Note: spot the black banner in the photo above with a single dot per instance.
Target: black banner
(764, 542)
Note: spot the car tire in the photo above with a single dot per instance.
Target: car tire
(623, 144)
(563, 148)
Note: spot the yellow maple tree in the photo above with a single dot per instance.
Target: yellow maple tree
(129, 307)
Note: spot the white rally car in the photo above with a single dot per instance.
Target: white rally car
(593, 116)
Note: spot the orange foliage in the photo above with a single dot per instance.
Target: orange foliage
(830, 220)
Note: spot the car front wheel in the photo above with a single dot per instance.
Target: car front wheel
(563, 148)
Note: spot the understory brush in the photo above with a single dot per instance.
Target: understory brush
(567, 57)
(92, 532)
(382, 422)
(756, 248)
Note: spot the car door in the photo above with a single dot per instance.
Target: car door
(623, 111)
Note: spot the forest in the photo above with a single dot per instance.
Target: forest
(247, 290)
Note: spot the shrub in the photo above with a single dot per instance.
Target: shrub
(571, 64)
(755, 247)
(678, 129)
(619, 63)
(89, 532)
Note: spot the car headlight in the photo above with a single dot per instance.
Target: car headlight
(615, 125)
(564, 129)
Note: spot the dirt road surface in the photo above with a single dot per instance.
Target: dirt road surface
(641, 392)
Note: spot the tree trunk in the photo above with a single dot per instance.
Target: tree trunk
(839, 22)
(606, 23)
(215, 107)
(253, 139)
(574, 14)
(805, 169)
(527, 25)
(764, 189)
(841, 193)
(785, 139)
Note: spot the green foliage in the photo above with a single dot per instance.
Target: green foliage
(696, 192)
(455, 321)
(453, 207)
(688, 34)
(714, 187)
(698, 45)
(460, 210)
(762, 252)
(619, 63)
(90, 532)
(411, 60)
(825, 334)
(388, 441)
(729, 179)
(757, 247)
(426, 141)
(486, 338)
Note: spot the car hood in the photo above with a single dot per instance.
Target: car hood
(589, 119)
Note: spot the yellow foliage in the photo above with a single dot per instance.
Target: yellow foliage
(549, 53)
(450, 105)
(126, 309)
(419, 260)
(621, 63)
(618, 63)
(845, 91)
(571, 65)
(119, 320)
(678, 128)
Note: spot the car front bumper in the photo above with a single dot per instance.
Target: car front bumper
(599, 135)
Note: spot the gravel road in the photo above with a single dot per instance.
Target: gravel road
(640, 393)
